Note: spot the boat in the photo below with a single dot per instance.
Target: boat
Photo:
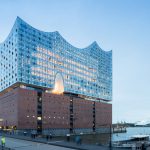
(135, 142)
(139, 137)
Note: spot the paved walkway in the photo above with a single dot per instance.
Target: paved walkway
(61, 143)
(5, 148)
(28, 143)
(17, 144)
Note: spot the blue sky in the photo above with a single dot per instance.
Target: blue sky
(120, 25)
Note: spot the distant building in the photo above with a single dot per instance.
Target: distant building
(48, 85)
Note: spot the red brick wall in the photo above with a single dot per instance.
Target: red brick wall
(8, 108)
(103, 114)
(27, 108)
(19, 108)
(83, 113)
(56, 112)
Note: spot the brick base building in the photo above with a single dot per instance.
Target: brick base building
(28, 110)
(35, 64)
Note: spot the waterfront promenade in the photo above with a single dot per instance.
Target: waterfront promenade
(62, 142)
(17, 142)
(27, 143)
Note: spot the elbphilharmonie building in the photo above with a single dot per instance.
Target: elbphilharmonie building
(45, 82)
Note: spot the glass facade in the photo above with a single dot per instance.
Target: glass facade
(35, 57)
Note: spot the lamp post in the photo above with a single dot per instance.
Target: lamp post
(110, 132)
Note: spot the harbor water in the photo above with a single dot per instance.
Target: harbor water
(130, 132)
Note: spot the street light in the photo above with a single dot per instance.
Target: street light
(110, 145)
(110, 133)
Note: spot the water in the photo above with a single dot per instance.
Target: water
(104, 139)
(130, 132)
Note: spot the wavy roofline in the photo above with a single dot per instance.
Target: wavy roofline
(3, 41)
(93, 44)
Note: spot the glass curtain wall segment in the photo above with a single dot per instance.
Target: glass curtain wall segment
(35, 57)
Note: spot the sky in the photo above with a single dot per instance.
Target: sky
(119, 25)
